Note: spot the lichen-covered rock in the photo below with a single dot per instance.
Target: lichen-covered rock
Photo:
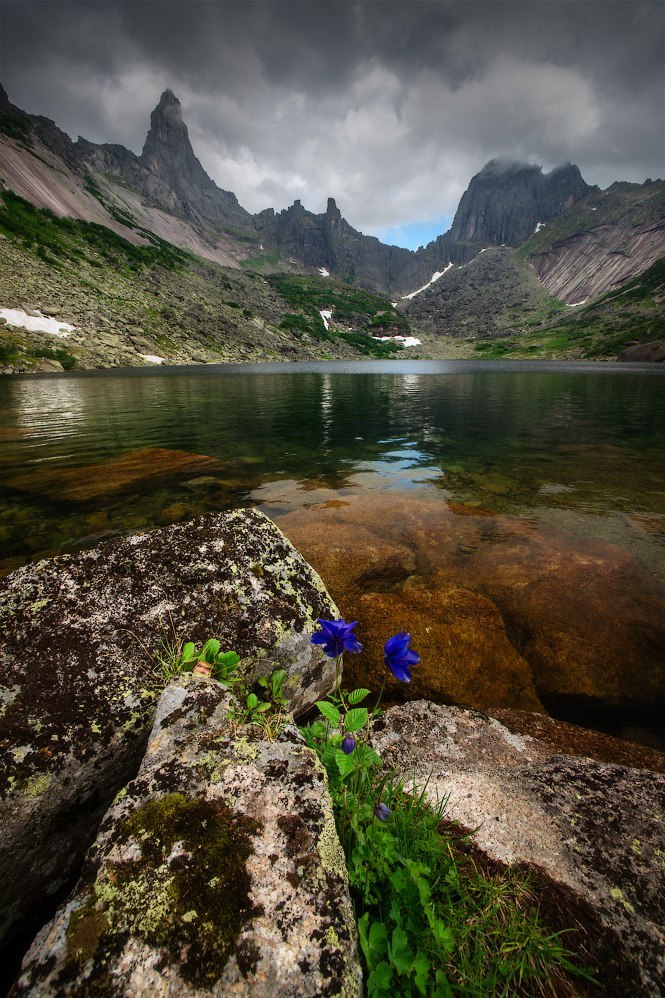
(217, 871)
(77, 679)
(594, 830)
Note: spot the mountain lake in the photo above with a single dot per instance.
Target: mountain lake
(510, 515)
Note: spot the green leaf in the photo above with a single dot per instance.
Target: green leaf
(421, 969)
(330, 712)
(263, 708)
(252, 701)
(355, 719)
(318, 729)
(380, 980)
(277, 679)
(367, 755)
(210, 649)
(442, 934)
(229, 659)
(401, 953)
(263, 681)
(189, 652)
(378, 938)
(357, 696)
(345, 763)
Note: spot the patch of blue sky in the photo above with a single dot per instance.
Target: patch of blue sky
(411, 235)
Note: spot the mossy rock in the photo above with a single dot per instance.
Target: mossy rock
(217, 871)
(78, 683)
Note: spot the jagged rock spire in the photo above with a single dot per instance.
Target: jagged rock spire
(167, 151)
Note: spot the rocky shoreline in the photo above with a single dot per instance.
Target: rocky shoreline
(211, 864)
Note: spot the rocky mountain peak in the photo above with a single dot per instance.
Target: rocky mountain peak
(167, 151)
(507, 199)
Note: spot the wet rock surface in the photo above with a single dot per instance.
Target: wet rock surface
(150, 465)
(77, 640)
(586, 617)
(594, 830)
(466, 657)
(217, 871)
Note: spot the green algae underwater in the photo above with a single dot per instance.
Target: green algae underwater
(510, 515)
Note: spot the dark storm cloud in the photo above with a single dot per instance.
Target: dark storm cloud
(390, 107)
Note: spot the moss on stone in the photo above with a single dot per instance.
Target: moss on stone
(187, 895)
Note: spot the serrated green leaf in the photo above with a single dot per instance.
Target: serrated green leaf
(378, 937)
(357, 696)
(367, 755)
(329, 711)
(401, 953)
(345, 763)
(421, 968)
(380, 980)
(355, 719)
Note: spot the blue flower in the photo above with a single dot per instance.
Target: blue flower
(348, 745)
(381, 811)
(336, 636)
(398, 656)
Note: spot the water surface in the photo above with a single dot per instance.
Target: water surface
(512, 483)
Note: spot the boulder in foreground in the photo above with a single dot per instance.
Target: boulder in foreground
(591, 831)
(77, 693)
(217, 871)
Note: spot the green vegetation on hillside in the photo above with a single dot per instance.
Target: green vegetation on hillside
(56, 239)
(634, 313)
(357, 312)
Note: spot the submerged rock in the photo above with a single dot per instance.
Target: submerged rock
(594, 831)
(587, 617)
(77, 641)
(465, 654)
(133, 470)
(217, 871)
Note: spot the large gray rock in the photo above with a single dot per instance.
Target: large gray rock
(593, 831)
(217, 871)
(78, 687)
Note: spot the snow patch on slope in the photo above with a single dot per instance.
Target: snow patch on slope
(36, 323)
(435, 277)
(323, 272)
(404, 341)
(326, 315)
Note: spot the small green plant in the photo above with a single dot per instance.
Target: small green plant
(176, 657)
(273, 684)
(429, 923)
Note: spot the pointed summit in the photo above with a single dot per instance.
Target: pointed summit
(167, 151)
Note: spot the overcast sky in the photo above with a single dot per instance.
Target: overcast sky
(388, 107)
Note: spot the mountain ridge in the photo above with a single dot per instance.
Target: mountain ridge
(556, 241)
(169, 174)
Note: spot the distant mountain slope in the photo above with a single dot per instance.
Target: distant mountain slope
(602, 242)
(487, 297)
(164, 191)
(606, 328)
